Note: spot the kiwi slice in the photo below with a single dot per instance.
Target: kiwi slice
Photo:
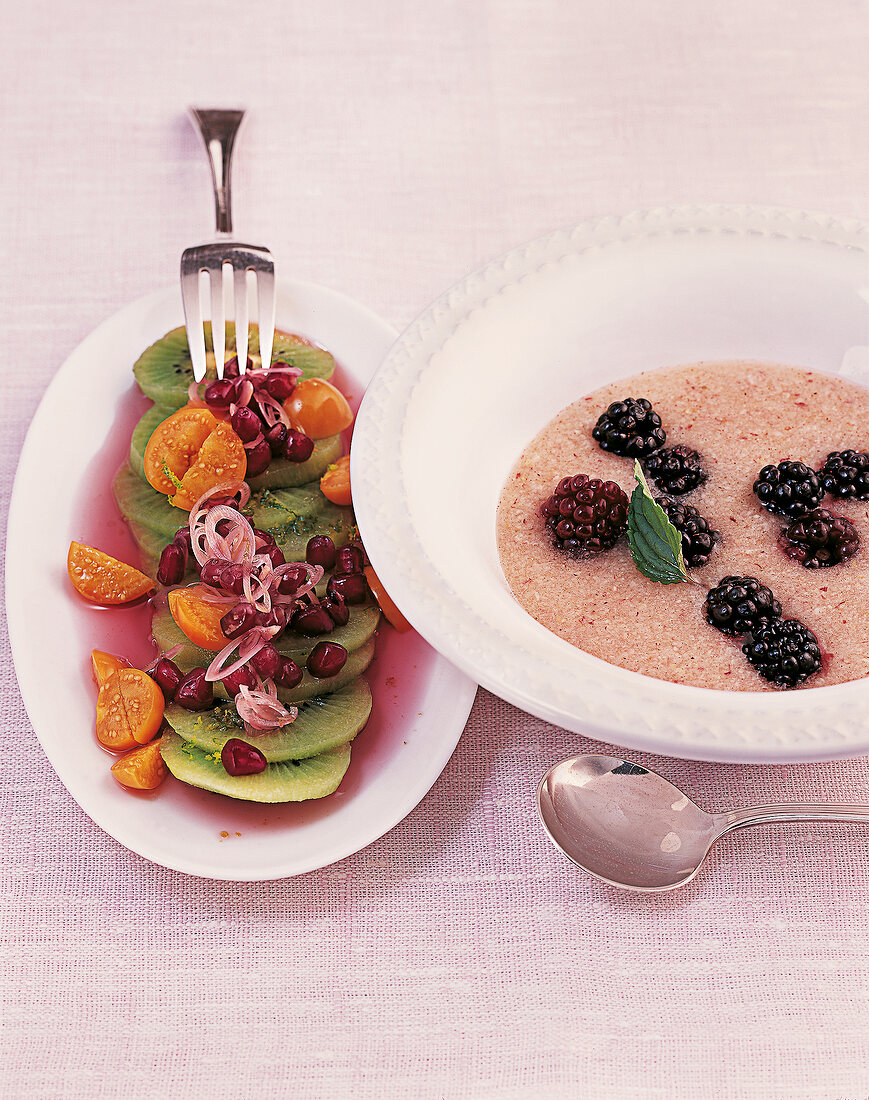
(143, 432)
(355, 633)
(164, 371)
(281, 473)
(322, 723)
(296, 514)
(286, 781)
(292, 515)
(310, 686)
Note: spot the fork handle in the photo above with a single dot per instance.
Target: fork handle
(218, 130)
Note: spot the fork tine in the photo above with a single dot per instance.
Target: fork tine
(265, 288)
(218, 317)
(241, 317)
(193, 319)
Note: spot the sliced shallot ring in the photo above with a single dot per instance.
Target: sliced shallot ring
(198, 513)
(230, 546)
(169, 654)
(262, 601)
(248, 644)
(263, 711)
(194, 397)
(273, 411)
(215, 597)
(315, 575)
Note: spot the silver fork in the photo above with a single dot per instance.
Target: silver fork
(218, 130)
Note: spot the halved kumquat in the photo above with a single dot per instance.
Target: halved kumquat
(129, 709)
(104, 664)
(103, 579)
(142, 769)
(190, 452)
(390, 612)
(318, 408)
(197, 618)
(335, 483)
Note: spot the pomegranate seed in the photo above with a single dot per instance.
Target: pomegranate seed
(326, 659)
(289, 675)
(238, 620)
(338, 610)
(291, 581)
(312, 619)
(173, 562)
(212, 571)
(264, 538)
(266, 662)
(280, 386)
(243, 391)
(219, 394)
(195, 692)
(182, 538)
(300, 447)
(275, 616)
(235, 680)
(321, 551)
(352, 586)
(258, 458)
(167, 675)
(240, 758)
(276, 437)
(246, 424)
(232, 578)
(276, 555)
(350, 560)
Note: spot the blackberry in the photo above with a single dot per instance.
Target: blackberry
(676, 470)
(630, 428)
(697, 537)
(845, 474)
(790, 489)
(586, 515)
(738, 604)
(784, 651)
(820, 539)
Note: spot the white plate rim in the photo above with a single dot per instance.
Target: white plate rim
(458, 690)
(457, 630)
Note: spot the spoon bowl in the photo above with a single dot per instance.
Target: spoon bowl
(632, 828)
(624, 824)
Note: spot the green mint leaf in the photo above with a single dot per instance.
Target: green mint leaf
(656, 545)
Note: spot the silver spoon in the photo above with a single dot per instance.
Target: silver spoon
(632, 828)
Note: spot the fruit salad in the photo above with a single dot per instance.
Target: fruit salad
(265, 606)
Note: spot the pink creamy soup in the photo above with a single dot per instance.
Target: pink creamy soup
(740, 416)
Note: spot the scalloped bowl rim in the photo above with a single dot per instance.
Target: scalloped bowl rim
(665, 717)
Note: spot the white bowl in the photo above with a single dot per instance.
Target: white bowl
(481, 371)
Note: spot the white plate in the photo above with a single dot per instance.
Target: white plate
(62, 492)
(480, 372)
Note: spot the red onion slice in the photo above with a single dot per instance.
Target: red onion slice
(194, 397)
(260, 710)
(169, 654)
(248, 644)
(273, 411)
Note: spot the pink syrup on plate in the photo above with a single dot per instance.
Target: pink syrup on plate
(398, 675)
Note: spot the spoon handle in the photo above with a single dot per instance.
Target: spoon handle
(793, 811)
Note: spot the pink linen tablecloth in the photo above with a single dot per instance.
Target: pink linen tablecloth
(390, 149)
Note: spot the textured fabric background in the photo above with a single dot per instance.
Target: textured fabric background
(390, 149)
